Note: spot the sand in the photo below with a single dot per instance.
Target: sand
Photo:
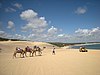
(65, 62)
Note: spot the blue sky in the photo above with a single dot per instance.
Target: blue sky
(50, 20)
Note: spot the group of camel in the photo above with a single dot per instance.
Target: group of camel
(23, 52)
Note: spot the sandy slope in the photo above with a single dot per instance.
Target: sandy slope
(10, 46)
(65, 62)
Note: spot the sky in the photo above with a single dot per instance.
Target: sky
(67, 21)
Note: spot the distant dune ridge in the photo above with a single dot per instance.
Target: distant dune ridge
(10, 46)
(66, 61)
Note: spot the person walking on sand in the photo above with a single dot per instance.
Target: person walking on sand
(53, 51)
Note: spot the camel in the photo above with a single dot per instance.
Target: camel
(34, 50)
(21, 51)
(28, 49)
(39, 50)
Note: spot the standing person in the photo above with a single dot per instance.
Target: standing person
(53, 51)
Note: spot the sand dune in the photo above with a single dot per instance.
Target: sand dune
(65, 62)
(10, 46)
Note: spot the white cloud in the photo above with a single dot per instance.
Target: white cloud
(34, 23)
(60, 35)
(13, 36)
(28, 14)
(19, 36)
(10, 9)
(87, 32)
(19, 6)
(63, 36)
(87, 35)
(52, 30)
(84, 32)
(81, 10)
(38, 27)
(13, 8)
(37, 30)
(2, 33)
(11, 25)
(81, 35)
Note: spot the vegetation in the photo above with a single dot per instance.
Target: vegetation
(6, 39)
(60, 44)
(67, 44)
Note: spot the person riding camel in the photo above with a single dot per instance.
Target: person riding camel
(27, 48)
(17, 48)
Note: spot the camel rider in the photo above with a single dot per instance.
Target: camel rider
(27, 48)
(35, 47)
(17, 48)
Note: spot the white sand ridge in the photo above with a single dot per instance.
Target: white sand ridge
(10, 46)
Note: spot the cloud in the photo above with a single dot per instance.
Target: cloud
(87, 32)
(88, 35)
(28, 14)
(84, 32)
(63, 36)
(17, 5)
(11, 25)
(80, 35)
(2, 33)
(13, 7)
(10, 9)
(52, 30)
(37, 27)
(81, 10)
(19, 36)
(34, 23)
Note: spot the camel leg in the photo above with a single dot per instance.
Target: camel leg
(20, 54)
(35, 53)
(13, 55)
(30, 54)
(25, 54)
(39, 53)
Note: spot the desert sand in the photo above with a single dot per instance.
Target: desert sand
(64, 62)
